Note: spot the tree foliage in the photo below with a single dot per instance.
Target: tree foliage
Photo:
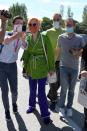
(62, 10)
(81, 28)
(17, 9)
(85, 15)
(46, 23)
(69, 12)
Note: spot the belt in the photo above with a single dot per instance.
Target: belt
(34, 59)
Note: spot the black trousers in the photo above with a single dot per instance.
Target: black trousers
(55, 86)
(85, 113)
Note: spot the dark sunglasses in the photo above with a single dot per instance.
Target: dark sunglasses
(34, 24)
(56, 19)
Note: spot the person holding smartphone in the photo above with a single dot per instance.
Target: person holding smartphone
(8, 66)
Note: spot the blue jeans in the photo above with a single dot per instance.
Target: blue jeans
(68, 78)
(41, 95)
(8, 73)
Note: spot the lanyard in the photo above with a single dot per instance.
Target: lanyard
(16, 46)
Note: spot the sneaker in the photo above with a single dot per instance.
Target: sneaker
(7, 115)
(69, 112)
(47, 120)
(15, 110)
(62, 112)
(30, 110)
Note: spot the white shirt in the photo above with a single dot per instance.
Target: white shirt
(9, 52)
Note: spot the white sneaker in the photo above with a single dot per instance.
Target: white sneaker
(62, 112)
(69, 112)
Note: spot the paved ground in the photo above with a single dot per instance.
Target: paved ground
(32, 122)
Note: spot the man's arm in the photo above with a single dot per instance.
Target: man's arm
(2, 28)
(9, 39)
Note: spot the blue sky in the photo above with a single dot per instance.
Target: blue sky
(41, 8)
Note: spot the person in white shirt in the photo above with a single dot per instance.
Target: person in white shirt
(8, 66)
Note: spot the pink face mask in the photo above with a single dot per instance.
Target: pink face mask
(18, 28)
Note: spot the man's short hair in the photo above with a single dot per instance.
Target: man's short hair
(58, 15)
(17, 17)
(70, 19)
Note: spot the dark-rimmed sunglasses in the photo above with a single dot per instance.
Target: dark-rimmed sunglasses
(32, 24)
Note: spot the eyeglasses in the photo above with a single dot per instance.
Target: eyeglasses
(32, 24)
(56, 19)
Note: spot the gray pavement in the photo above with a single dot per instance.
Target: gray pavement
(32, 122)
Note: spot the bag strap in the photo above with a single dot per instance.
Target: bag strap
(44, 49)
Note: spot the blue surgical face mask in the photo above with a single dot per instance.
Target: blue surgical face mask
(69, 29)
(56, 24)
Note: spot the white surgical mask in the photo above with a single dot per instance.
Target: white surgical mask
(69, 29)
(18, 28)
(56, 24)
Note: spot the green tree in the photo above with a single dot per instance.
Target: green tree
(61, 10)
(17, 9)
(46, 23)
(85, 15)
(69, 12)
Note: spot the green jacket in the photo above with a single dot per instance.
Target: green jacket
(34, 58)
(53, 35)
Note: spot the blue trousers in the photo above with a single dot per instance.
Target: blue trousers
(41, 95)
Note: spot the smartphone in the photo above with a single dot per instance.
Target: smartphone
(24, 28)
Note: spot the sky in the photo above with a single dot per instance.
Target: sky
(41, 8)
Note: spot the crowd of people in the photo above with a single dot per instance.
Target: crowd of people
(45, 52)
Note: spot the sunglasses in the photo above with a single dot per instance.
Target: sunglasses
(32, 24)
(56, 19)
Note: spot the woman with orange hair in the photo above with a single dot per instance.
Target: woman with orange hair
(38, 61)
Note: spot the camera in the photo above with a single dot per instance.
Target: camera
(5, 13)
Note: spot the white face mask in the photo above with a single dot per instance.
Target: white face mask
(18, 28)
(56, 24)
